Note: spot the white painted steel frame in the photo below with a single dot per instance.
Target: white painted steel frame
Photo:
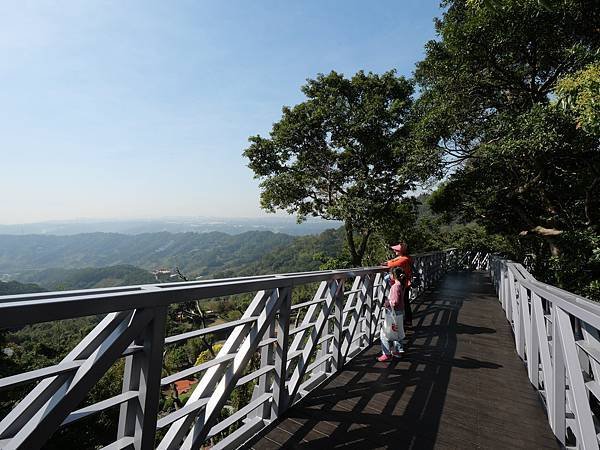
(336, 326)
(557, 336)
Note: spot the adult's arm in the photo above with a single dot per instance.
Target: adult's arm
(397, 262)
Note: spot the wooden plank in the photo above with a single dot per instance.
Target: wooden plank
(306, 304)
(255, 374)
(126, 442)
(186, 409)
(238, 415)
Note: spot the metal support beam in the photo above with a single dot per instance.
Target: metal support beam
(336, 345)
(207, 417)
(142, 373)
(335, 287)
(178, 430)
(282, 332)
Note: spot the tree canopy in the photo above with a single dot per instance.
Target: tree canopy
(580, 93)
(336, 155)
(507, 112)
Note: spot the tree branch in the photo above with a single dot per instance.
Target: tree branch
(541, 231)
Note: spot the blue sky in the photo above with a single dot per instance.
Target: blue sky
(141, 109)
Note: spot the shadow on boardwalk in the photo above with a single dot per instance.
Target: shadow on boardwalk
(459, 385)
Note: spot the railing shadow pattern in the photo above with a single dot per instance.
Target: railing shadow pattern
(394, 405)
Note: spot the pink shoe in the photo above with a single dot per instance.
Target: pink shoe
(384, 358)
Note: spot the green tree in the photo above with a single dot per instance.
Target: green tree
(580, 92)
(336, 155)
(488, 121)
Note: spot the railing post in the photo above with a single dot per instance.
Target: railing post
(537, 310)
(533, 358)
(267, 356)
(142, 373)
(516, 313)
(282, 330)
(558, 381)
(507, 295)
(368, 310)
(422, 286)
(518, 319)
(372, 307)
(336, 344)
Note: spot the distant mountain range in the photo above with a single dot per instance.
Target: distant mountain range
(86, 278)
(276, 224)
(14, 287)
(197, 254)
(96, 260)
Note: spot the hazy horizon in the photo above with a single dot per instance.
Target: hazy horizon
(142, 108)
(264, 216)
(232, 226)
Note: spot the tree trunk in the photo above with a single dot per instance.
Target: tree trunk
(356, 259)
(363, 244)
(356, 254)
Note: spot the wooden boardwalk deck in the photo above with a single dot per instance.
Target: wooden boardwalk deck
(460, 384)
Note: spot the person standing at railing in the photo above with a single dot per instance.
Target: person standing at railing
(404, 261)
(392, 331)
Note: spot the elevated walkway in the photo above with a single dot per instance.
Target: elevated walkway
(497, 360)
(460, 384)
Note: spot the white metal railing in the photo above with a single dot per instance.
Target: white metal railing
(557, 335)
(467, 260)
(339, 322)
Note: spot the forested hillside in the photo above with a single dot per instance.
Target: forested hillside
(303, 254)
(195, 253)
(14, 287)
(57, 279)
(44, 344)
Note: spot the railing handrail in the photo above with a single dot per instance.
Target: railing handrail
(25, 309)
(565, 299)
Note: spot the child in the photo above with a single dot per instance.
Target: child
(404, 261)
(395, 303)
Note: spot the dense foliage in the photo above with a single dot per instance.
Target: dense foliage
(579, 92)
(303, 254)
(516, 160)
(14, 287)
